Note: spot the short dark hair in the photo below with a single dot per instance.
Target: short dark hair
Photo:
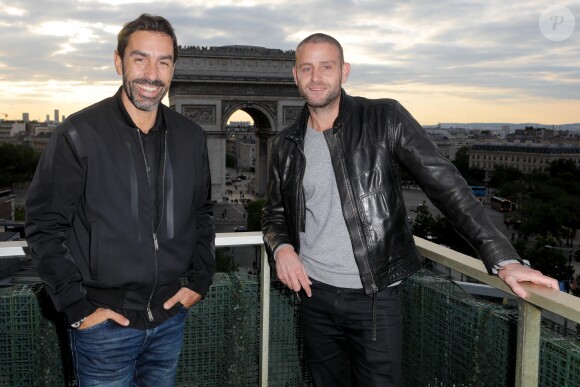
(146, 22)
(319, 37)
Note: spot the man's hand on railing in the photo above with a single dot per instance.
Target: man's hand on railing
(514, 273)
(291, 270)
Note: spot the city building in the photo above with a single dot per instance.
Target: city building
(525, 157)
(444, 143)
(450, 140)
(241, 144)
(9, 130)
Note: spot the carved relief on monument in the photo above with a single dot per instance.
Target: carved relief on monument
(202, 114)
(228, 108)
(236, 66)
(250, 89)
(291, 114)
(271, 107)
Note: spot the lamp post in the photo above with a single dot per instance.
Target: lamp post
(571, 251)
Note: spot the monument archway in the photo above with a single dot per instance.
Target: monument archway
(211, 83)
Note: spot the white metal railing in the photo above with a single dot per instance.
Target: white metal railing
(12, 248)
(251, 239)
(530, 310)
(528, 347)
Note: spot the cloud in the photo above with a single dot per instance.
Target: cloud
(484, 50)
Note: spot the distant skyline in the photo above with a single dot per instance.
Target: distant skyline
(451, 61)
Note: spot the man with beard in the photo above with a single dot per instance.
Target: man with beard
(119, 218)
(335, 225)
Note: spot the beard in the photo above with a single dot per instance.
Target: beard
(142, 102)
(324, 102)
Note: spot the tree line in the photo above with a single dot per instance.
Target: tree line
(17, 165)
(546, 213)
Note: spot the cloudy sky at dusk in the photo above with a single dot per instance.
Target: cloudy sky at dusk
(455, 61)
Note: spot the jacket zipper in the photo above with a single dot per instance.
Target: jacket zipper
(365, 261)
(156, 246)
(155, 229)
(301, 201)
(300, 206)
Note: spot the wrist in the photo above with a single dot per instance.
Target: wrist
(506, 264)
(281, 248)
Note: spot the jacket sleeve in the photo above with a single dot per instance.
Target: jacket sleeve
(55, 191)
(204, 266)
(274, 221)
(449, 191)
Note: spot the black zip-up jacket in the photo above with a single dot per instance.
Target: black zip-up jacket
(92, 223)
(369, 142)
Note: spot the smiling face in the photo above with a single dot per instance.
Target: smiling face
(147, 68)
(319, 74)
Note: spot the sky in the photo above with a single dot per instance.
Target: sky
(448, 61)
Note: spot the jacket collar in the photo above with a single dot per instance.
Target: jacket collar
(298, 130)
(345, 110)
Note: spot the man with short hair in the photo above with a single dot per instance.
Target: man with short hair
(335, 223)
(119, 218)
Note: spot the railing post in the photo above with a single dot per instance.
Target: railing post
(265, 317)
(528, 347)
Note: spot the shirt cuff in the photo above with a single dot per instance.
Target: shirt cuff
(496, 268)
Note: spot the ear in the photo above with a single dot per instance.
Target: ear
(118, 62)
(294, 75)
(345, 72)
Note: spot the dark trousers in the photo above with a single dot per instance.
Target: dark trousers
(337, 326)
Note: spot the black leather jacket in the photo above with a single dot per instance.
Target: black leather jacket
(369, 142)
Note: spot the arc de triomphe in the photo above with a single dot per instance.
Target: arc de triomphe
(211, 83)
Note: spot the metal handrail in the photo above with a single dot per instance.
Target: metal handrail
(553, 300)
(530, 310)
(254, 238)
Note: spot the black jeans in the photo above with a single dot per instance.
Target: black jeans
(337, 325)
